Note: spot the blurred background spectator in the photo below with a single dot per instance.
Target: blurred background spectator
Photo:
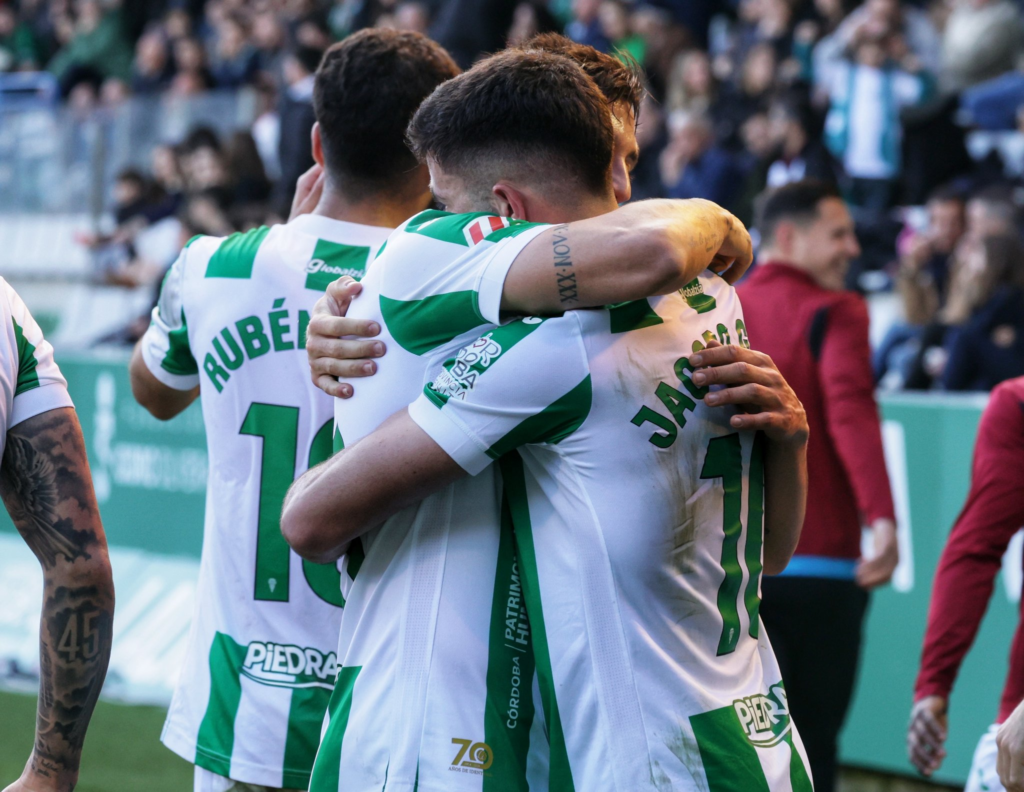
(913, 108)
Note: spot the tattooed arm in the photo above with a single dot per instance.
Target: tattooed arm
(636, 251)
(47, 489)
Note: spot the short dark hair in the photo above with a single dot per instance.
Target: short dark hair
(619, 81)
(798, 202)
(366, 90)
(518, 109)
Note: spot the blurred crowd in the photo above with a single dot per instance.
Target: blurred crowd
(880, 98)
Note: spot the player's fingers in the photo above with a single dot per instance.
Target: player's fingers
(724, 354)
(331, 386)
(736, 374)
(335, 327)
(753, 422)
(739, 246)
(325, 348)
(340, 294)
(751, 393)
(344, 368)
(926, 730)
(873, 572)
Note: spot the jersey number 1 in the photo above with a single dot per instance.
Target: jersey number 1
(279, 428)
(724, 460)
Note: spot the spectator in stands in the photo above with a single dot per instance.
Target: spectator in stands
(17, 46)
(986, 307)
(877, 19)
(863, 127)
(751, 94)
(615, 25)
(691, 86)
(234, 61)
(268, 36)
(152, 69)
(983, 39)
(922, 280)
(693, 166)
(586, 25)
(94, 39)
(529, 19)
(191, 75)
(817, 334)
(800, 154)
(295, 149)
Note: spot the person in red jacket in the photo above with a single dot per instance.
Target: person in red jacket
(964, 581)
(797, 312)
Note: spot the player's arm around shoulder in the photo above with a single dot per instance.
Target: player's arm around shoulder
(768, 404)
(164, 374)
(47, 488)
(639, 250)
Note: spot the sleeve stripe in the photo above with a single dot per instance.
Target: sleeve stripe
(179, 359)
(552, 425)
(28, 377)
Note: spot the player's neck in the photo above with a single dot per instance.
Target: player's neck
(385, 212)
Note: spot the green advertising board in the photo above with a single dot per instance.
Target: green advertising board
(151, 476)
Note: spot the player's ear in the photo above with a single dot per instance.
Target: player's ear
(318, 145)
(509, 201)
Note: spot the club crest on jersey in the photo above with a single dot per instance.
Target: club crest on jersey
(458, 377)
(289, 666)
(316, 266)
(765, 719)
(483, 226)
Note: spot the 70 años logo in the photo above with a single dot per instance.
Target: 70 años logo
(473, 757)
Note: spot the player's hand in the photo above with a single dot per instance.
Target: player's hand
(1010, 756)
(756, 386)
(877, 570)
(308, 190)
(926, 734)
(736, 253)
(330, 355)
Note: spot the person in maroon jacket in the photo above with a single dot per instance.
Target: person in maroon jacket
(993, 513)
(797, 312)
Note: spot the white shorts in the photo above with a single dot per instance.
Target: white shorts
(983, 777)
(205, 781)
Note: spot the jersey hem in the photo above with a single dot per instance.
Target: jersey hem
(48, 396)
(261, 775)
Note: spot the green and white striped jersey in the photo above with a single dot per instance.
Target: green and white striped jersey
(638, 515)
(30, 382)
(260, 663)
(436, 681)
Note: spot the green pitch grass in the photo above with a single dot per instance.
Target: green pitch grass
(122, 753)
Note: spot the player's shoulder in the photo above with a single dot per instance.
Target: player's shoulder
(229, 257)
(464, 230)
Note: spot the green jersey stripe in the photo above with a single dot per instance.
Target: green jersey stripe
(444, 226)
(755, 533)
(305, 715)
(798, 777)
(179, 359)
(28, 376)
(332, 260)
(216, 740)
(730, 761)
(552, 424)
(326, 769)
(508, 713)
(513, 477)
(236, 255)
(633, 316)
(420, 326)
(461, 372)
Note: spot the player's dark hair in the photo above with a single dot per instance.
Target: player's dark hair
(366, 90)
(798, 202)
(525, 110)
(619, 81)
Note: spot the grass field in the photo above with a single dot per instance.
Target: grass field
(123, 752)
